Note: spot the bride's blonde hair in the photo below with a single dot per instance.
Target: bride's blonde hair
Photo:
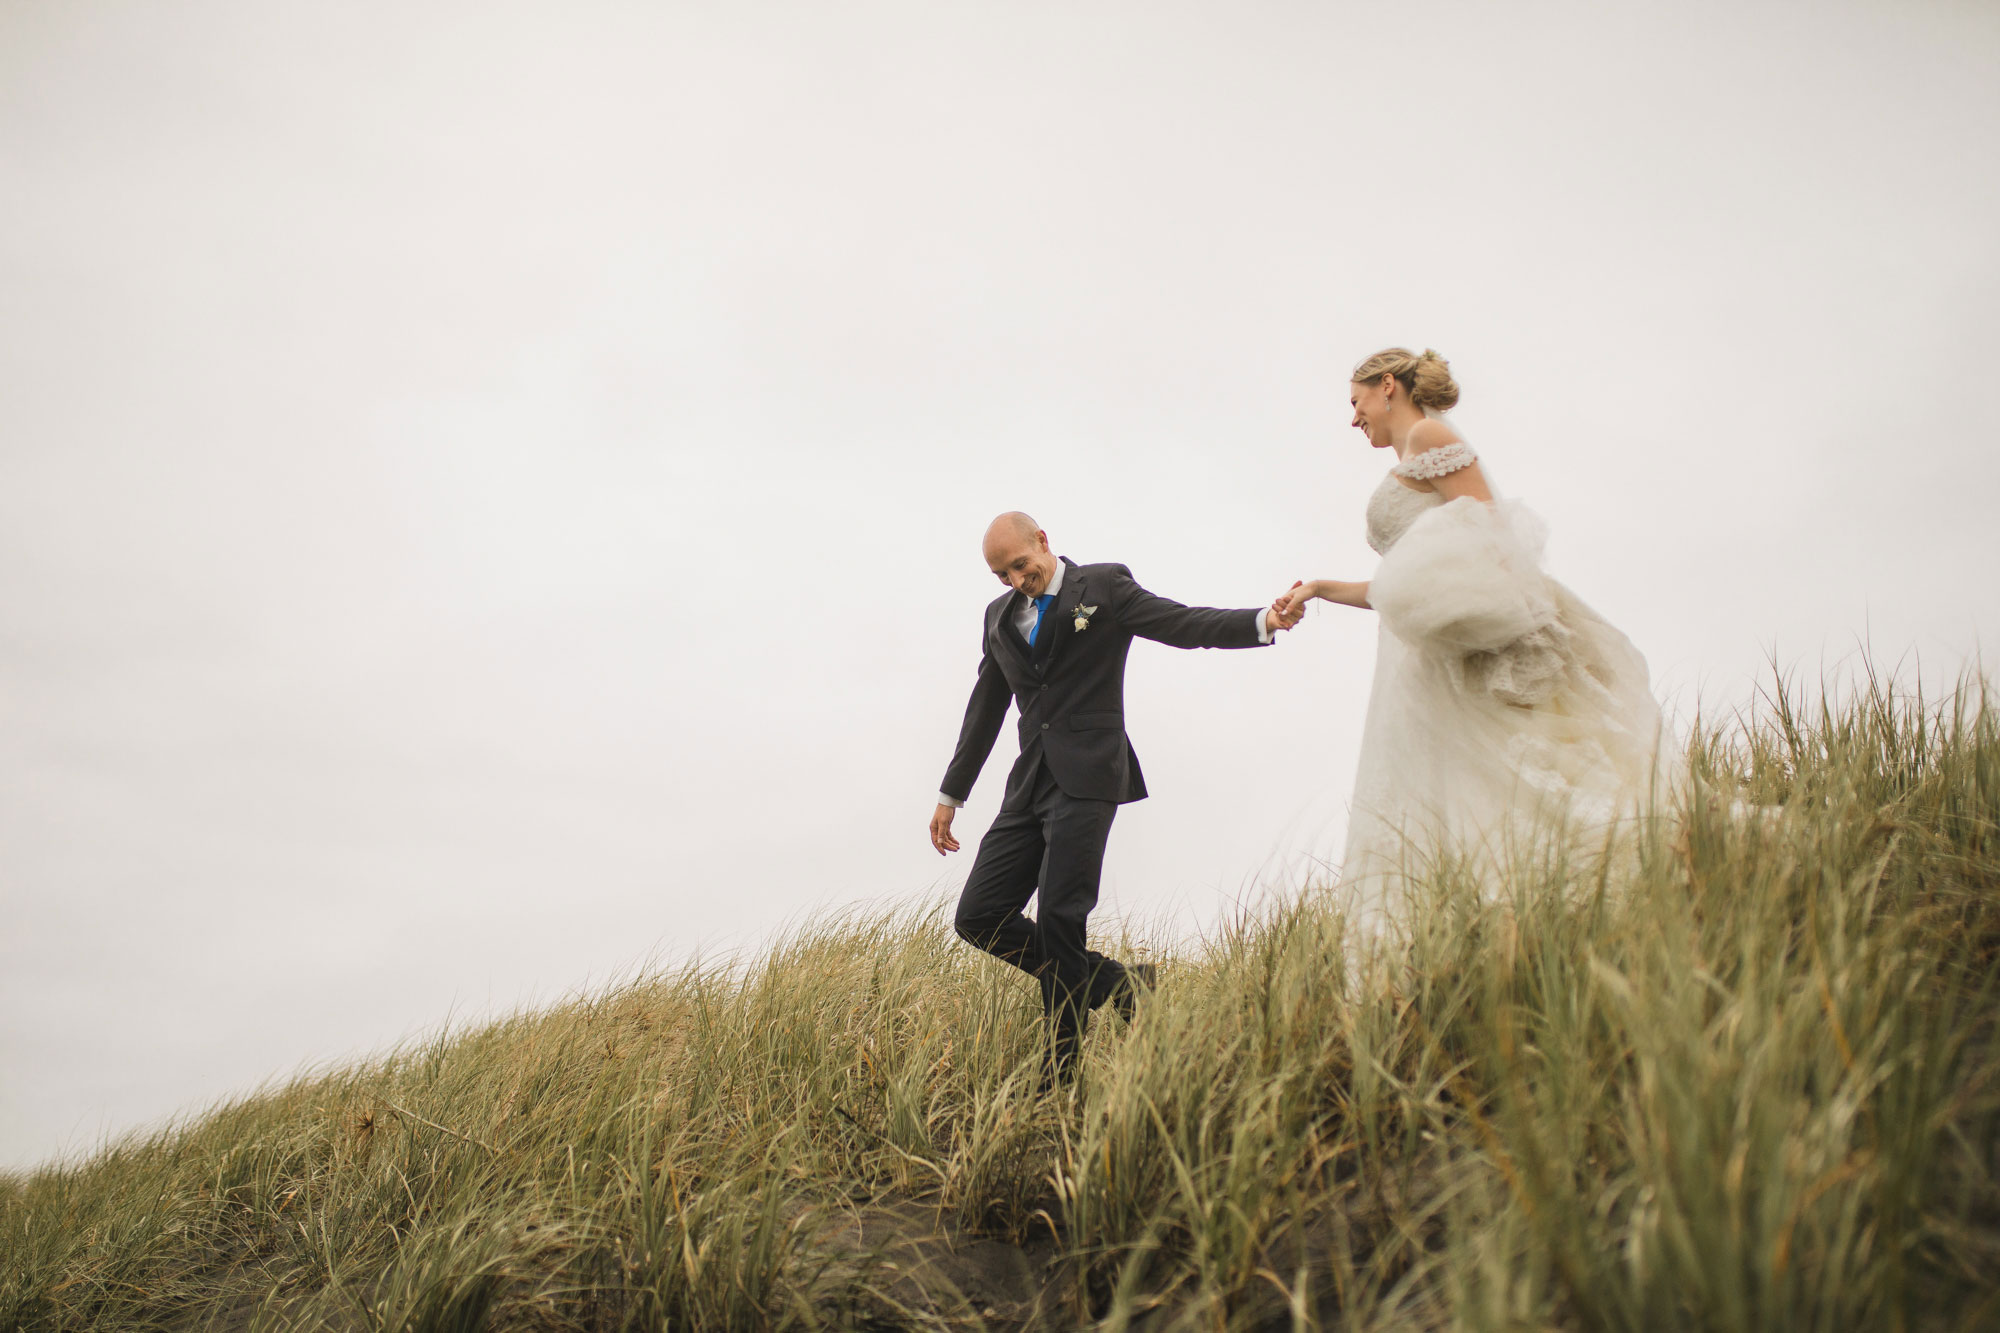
(1426, 378)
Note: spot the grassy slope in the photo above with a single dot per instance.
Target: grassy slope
(1752, 1089)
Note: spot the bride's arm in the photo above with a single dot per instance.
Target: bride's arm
(1467, 482)
(1292, 604)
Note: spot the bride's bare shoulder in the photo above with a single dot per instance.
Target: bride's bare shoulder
(1431, 433)
(1435, 458)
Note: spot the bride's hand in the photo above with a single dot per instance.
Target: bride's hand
(1292, 603)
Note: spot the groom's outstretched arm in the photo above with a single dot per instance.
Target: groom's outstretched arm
(1164, 620)
(984, 713)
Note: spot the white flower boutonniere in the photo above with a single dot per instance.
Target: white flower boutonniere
(1083, 614)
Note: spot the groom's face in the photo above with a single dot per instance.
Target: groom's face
(1023, 563)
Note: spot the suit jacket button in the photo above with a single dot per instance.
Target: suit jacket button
(1045, 726)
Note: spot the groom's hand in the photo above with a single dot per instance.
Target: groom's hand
(1285, 612)
(1290, 607)
(941, 830)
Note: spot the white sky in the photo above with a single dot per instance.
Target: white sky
(489, 494)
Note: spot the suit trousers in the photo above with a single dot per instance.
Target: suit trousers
(1052, 843)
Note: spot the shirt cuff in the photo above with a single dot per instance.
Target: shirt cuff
(1264, 631)
(946, 800)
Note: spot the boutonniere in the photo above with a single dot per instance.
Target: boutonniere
(1083, 614)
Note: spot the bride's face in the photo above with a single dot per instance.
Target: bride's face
(1371, 412)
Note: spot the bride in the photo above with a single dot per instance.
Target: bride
(1502, 706)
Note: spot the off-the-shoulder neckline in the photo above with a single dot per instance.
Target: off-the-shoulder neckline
(1449, 451)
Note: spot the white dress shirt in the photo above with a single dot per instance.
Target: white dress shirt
(1024, 615)
(1024, 621)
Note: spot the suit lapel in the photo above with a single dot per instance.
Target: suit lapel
(1010, 635)
(1056, 622)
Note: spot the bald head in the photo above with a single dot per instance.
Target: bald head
(1011, 527)
(1017, 551)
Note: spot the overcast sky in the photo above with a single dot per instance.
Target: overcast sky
(490, 494)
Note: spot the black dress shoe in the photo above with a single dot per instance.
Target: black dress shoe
(1106, 980)
(1132, 978)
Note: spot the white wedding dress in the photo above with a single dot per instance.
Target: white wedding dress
(1504, 711)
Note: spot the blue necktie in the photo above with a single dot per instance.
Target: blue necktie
(1041, 605)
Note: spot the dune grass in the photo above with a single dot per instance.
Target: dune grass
(1740, 1077)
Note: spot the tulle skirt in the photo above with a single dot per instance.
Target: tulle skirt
(1505, 713)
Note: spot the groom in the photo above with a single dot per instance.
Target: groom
(1056, 644)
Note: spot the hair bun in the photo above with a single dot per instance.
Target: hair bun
(1427, 378)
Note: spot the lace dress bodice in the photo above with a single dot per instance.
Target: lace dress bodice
(1394, 506)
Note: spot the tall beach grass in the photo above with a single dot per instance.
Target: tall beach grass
(1743, 1078)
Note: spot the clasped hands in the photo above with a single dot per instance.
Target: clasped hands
(1289, 607)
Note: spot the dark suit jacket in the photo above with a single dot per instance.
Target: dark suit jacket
(1071, 684)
